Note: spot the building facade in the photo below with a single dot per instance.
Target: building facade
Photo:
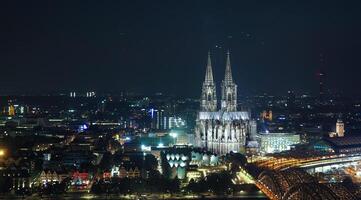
(221, 130)
(277, 142)
(125, 172)
(49, 177)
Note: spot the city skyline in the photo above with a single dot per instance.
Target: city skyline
(79, 46)
(180, 99)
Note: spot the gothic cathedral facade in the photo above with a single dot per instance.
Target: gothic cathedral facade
(221, 130)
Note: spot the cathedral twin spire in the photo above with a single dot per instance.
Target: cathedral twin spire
(229, 89)
(209, 73)
(228, 72)
(209, 97)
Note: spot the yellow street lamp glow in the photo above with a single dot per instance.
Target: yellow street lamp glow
(2, 152)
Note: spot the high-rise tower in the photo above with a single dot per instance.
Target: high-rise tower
(209, 98)
(229, 89)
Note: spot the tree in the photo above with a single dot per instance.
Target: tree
(167, 171)
(191, 187)
(150, 162)
(174, 185)
(106, 162)
(237, 158)
(218, 183)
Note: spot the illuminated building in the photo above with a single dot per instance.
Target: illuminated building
(252, 148)
(181, 159)
(194, 174)
(180, 137)
(267, 115)
(322, 146)
(224, 130)
(51, 177)
(253, 130)
(19, 109)
(340, 129)
(176, 122)
(125, 172)
(90, 94)
(20, 177)
(80, 179)
(47, 156)
(277, 142)
(159, 119)
(11, 111)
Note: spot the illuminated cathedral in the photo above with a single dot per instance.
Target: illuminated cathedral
(221, 130)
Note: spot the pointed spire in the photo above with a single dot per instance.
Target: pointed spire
(228, 74)
(209, 73)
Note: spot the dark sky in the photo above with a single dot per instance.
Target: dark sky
(150, 46)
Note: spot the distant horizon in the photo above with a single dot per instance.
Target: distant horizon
(134, 93)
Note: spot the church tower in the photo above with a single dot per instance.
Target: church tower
(229, 89)
(209, 98)
(221, 130)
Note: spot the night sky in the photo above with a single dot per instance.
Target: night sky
(161, 46)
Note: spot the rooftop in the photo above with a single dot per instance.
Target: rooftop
(344, 141)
